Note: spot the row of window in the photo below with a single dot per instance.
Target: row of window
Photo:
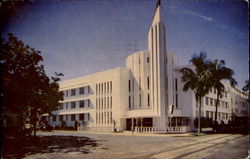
(71, 117)
(213, 90)
(220, 116)
(72, 105)
(131, 86)
(140, 60)
(104, 118)
(131, 101)
(82, 90)
(105, 87)
(103, 103)
(212, 102)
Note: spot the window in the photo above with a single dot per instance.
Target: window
(148, 100)
(73, 104)
(176, 85)
(108, 118)
(88, 116)
(211, 101)
(99, 88)
(139, 83)
(81, 104)
(104, 103)
(66, 105)
(133, 101)
(129, 102)
(147, 59)
(73, 117)
(104, 87)
(81, 90)
(207, 100)
(176, 98)
(214, 91)
(73, 92)
(110, 102)
(148, 82)
(66, 117)
(61, 117)
(88, 89)
(66, 93)
(110, 86)
(81, 117)
(226, 94)
(129, 85)
(61, 106)
(54, 118)
(140, 100)
(88, 102)
(107, 102)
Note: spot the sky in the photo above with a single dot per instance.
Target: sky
(78, 38)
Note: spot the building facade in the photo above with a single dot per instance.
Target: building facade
(146, 94)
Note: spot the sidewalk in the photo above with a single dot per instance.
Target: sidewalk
(129, 133)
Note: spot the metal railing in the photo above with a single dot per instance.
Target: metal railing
(96, 129)
(175, 129)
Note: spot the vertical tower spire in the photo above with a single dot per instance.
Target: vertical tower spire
(158, 3)
(157, 13)
(157, 56)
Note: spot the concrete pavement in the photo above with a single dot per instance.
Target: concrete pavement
(150, 146)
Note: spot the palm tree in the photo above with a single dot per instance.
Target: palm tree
(197, 79)
(246, 88)
(220, 72)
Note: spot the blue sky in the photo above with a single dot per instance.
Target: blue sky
(83, 37)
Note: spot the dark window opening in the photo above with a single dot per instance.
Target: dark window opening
(129, 102)
(148, 82)
(81, 117)
(73, 92)
(81, 90)
(73, 104)
(81, 104)
(148, 100)
(129, 85)
(73, 117)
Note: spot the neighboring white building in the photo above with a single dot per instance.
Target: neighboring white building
(139, 95)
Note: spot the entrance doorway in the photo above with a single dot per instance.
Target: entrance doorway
(144, 122)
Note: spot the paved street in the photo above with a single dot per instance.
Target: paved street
(126, 145)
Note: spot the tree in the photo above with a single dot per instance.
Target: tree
(26, 89)
(197, 78)
(220, 72)
(246, 88)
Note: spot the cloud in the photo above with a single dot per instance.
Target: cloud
(199, 15)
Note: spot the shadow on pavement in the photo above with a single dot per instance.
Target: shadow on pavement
(13, 148)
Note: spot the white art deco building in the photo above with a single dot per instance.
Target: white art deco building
(139, 95)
